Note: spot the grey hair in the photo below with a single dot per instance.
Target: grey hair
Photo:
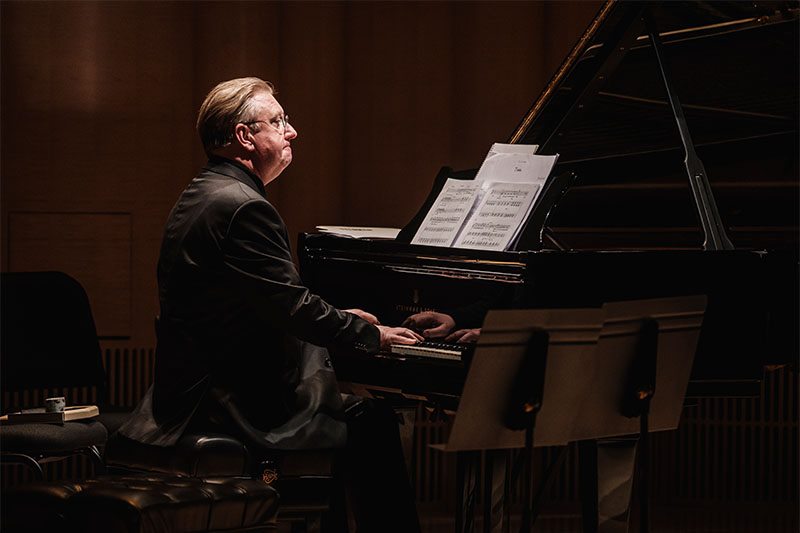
(228, 104)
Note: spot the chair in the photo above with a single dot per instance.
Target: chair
(49, 343)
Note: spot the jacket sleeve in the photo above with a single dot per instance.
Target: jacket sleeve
(257, 259)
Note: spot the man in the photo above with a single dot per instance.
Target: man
(240, 339)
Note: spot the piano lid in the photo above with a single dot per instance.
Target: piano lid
(734, 66)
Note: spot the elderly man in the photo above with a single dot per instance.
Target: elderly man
(241, 341)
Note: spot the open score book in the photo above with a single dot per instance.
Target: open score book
(487, 213)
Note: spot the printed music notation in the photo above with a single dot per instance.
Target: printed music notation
(487, 213)
(447, 215)
(496, 219)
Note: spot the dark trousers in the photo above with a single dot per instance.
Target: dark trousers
(375, 473)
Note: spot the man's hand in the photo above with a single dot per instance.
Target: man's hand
(431, 323)
(464, 336)
(369, 317)
(391, 336)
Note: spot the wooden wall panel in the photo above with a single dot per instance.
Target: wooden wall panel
(107, 89)
(312, 92)
(498, 72)
(99, 101)
(429, 85)
(398, 107)
(93, 248)
(565, 22)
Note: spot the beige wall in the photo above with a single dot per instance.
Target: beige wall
(99, 98)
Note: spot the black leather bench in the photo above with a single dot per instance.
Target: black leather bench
(304, 479)
(204, 483)
(142, 504)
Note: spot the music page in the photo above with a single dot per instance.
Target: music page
(495, 221)
(504, 148)
(516, 167)
(447, 214)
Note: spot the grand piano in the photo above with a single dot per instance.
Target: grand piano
(676, 126)
(677, 175)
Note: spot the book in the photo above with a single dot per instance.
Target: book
(487, 213)
(360, 232)
(40, 416)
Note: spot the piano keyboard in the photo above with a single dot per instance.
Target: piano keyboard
(431, 350)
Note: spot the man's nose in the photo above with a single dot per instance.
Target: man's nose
(290, 133)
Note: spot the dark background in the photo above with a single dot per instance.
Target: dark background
(99, 101)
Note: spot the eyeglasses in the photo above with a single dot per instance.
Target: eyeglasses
(279, 123)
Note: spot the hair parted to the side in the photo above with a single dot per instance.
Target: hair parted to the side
(229, 103)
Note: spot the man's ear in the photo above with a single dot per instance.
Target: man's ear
(244, 137)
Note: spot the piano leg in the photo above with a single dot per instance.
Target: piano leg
(606, 479)
(407, 418)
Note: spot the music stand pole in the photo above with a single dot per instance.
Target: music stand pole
(524, 403)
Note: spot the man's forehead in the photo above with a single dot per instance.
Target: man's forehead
(266, 102)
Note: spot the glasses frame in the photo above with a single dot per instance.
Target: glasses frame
(283, 122)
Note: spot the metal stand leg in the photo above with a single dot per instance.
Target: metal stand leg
(527, 499)
(644, 474)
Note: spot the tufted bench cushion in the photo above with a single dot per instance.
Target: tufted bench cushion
(142, 504)
(303, 478)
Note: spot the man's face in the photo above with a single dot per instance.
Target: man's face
(272, 150)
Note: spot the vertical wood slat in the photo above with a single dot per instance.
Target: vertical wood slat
(130, 374)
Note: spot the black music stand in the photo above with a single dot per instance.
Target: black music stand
(551, 377)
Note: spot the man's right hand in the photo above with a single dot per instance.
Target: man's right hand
(391, 336)
(431, 323)
(369, 317)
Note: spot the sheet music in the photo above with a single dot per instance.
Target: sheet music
(488, 213)
(516, 167)
(519, 167)
(503, 148)
(447, 214)
(501, 211)
(361, 232)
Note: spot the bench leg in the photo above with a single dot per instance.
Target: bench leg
(98, 464)
(25, 460)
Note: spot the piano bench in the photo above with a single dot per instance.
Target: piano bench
(142, 504)
(303, 479)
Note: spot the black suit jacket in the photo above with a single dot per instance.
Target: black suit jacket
(239, 336)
